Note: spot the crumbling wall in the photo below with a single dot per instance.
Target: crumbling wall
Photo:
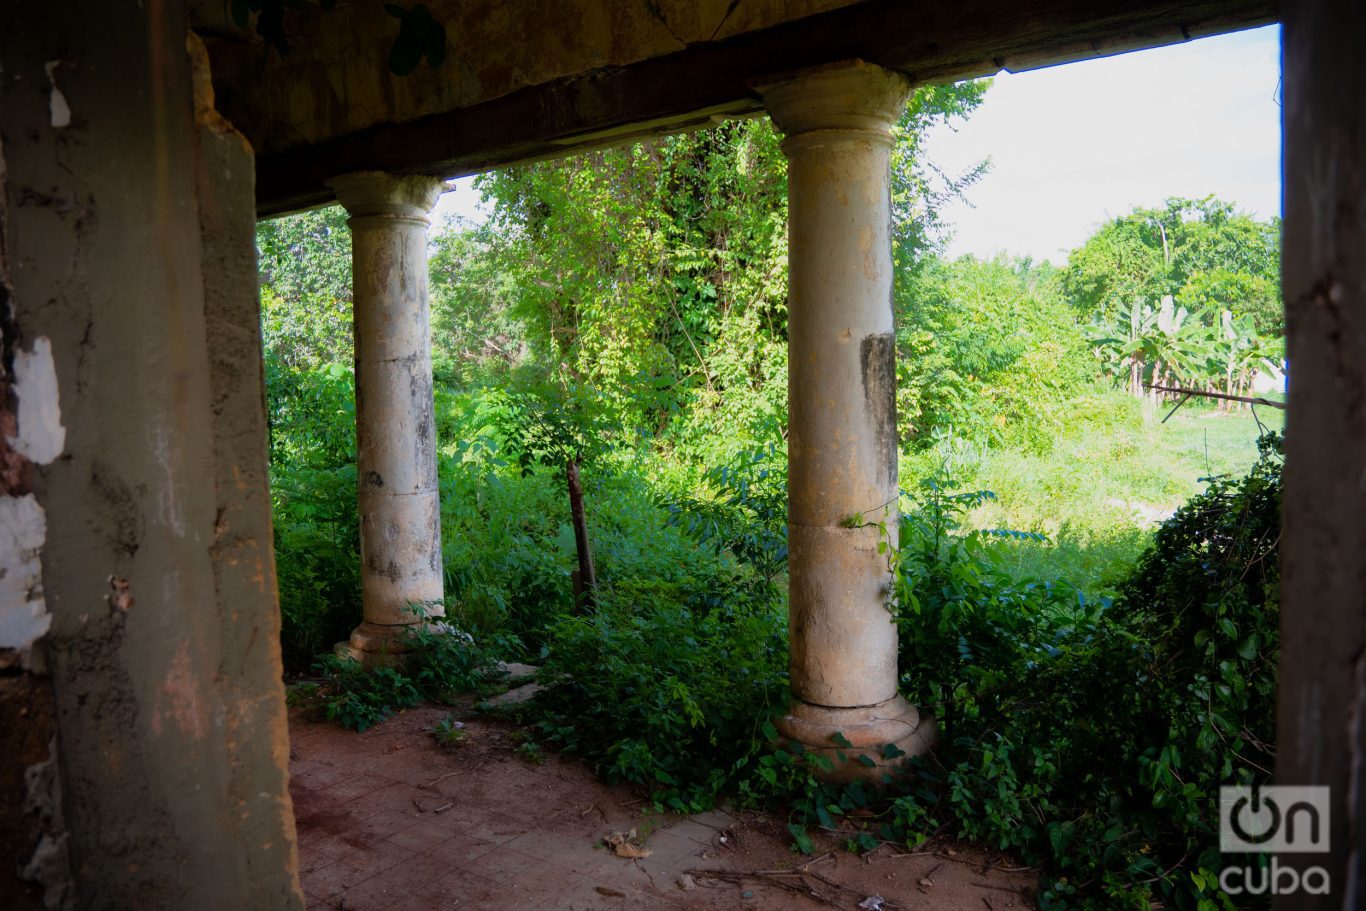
(33, 836)
(249, 673)
(148, 599)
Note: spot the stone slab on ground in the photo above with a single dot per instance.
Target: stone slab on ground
(518, 672)
(515, 696)
(387, 821)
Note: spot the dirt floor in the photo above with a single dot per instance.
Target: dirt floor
(389, 820)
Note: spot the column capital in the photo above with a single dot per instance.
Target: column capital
(849, 95)
(380, 193)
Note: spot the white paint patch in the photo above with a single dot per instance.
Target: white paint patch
(23, 613)
(41, 434)
(56, 103)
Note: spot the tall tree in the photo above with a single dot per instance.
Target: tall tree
(657, 273)
(1188, 293)
(305, 264)
(1203, 252)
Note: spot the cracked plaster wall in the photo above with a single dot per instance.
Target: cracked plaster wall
(142, 739)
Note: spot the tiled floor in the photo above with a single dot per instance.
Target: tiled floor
(386, 820)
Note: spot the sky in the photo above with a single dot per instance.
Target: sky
(1073, 146)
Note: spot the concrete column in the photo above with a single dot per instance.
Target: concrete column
(842, 447)
(1321, 690)
(400, 509)
(147, 765)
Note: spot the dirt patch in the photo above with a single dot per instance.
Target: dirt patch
(387, 819)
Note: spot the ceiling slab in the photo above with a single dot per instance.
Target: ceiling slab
(527, 80)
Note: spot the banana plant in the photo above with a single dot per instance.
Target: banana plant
(1180, 347)
(1121, 340)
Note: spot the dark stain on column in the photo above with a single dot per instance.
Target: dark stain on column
(878, 362)
(421, 391)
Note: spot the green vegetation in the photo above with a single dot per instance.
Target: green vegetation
(1090, 734)
(1188, 294)
(449, 734)
(621, 318)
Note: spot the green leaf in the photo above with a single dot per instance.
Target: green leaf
(825, 818)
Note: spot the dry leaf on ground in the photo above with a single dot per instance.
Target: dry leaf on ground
(623, 845)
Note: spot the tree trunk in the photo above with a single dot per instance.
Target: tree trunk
(587, 581)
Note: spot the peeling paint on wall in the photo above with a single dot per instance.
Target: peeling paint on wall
(57, 106)
(41, 434)
(23, 613)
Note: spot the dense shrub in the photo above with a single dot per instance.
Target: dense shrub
(1093, 736)
(989, 352)
(440, 663)
(670, 682)
(313, 498)
(666, 697)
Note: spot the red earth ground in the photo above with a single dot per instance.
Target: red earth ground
(387, 819)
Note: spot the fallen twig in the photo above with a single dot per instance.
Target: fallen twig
(1216, 395)
(815, 860)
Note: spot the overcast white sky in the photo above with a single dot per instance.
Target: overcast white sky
(1075, 145)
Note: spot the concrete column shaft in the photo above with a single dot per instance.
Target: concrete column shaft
(842, 453)
(842, 447)
(399, 501)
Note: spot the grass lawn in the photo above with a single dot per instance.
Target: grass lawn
(1109, 479)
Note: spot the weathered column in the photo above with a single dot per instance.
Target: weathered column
(842, 447)
(1321, 699)
(143, 738)
(400, 510)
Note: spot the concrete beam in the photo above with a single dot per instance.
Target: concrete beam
(630, 76)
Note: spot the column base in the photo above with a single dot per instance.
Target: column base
(377, 644)
(867, 729)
